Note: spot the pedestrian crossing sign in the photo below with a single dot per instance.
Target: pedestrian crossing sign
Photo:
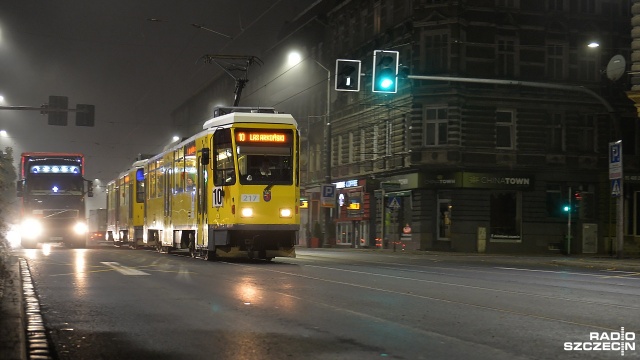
(615, 188)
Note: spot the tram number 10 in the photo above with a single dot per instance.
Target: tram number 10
(218, 196)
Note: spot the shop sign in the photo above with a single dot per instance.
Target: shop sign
(496, 181)
(474, 180)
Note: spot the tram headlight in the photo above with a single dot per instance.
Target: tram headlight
(80, 228)
(31, 228)
(285, 213)
(247, 212)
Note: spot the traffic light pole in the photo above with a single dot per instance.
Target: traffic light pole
(569, 223)
(327, 178)
(605, 103)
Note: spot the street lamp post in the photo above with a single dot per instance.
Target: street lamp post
(295, 58)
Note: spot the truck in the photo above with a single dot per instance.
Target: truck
(53, 189)
(97, 232)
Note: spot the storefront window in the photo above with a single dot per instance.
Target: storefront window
(505, 216)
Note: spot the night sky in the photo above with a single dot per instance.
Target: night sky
(135, 71)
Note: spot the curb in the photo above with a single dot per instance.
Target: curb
(13, 345)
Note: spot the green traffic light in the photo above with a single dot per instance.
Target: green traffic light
(386, 79)
(566, 208)
(386, 83)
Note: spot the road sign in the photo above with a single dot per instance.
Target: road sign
(394, 203)
(615, 160)
(328, 198)
(615, 187)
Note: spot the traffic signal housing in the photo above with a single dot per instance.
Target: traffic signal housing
(348, 75)
(385, 71)
(85, 115)
(57, 110)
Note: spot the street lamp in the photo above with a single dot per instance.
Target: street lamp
(294, 59)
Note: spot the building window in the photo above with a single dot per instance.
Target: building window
(555, 201)
(508, 3)
(506, 57)
(363, 146)
(388, 135)
(376, 137)
(318, 157)
(339, 150)
(434, 52)
(377, 17)
(556, 61)
(505, 212)
(505, 129)
(557, 5)
(587, 136)
(351, 149)
(435, 120)
(587, 66)
(587, 6)
(556, 130)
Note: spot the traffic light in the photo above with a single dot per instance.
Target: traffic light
(348, 75)
(385, 71)
(57, 110)
(85, 115)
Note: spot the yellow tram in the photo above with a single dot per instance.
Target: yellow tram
(232, 190)
(125, 207)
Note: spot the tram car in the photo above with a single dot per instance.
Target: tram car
(126, 206)
(232, 190)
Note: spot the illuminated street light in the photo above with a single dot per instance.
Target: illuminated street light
(593, 44)
(294, 58)
(176, 138)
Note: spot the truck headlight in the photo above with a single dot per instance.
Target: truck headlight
(31, 228)
(285, 213)
(80, 228)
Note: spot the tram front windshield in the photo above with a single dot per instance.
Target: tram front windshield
(259, 165)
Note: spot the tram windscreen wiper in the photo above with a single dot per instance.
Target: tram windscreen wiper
(270, 185)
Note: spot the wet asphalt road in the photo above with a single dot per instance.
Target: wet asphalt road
(134, 304)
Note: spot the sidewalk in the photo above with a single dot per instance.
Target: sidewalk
(596, 261)
(12, 324)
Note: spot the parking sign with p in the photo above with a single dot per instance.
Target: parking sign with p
(328, 198)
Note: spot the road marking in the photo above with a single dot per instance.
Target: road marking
(124, 270)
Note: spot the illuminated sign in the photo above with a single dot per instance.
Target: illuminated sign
(260, 137)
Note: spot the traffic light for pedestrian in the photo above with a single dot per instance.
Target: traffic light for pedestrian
(385, 71)
(348, 75)
(85, 115)
(57, 110)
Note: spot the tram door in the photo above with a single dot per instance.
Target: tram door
(168, 200)
(201, 199)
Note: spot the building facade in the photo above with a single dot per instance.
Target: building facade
(486, 164)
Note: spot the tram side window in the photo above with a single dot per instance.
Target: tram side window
(224, 169)
(152, 181)
(139, 186)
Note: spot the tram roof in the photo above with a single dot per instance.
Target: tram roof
(239, 117)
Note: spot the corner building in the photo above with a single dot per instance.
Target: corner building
(473, 166)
